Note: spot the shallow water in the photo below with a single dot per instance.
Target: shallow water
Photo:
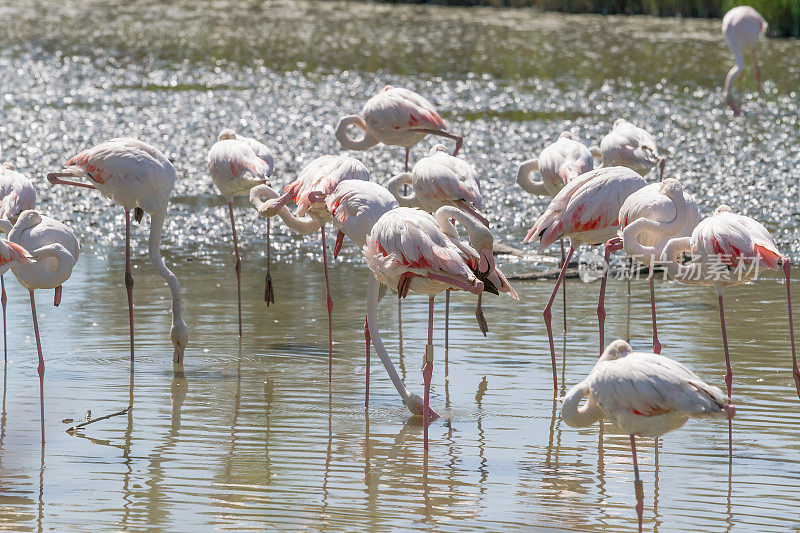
(251, 437)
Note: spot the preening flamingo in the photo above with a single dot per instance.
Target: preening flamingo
(586, 211)
(320, 176)
(728, 249)
(237, 164)
(559, 163)
(648, 219)
(645, 395)
(397, 117)
(409, 249)
(138, 177)
(742, 27)
(55, 249)
(16, 195)
(629, 146)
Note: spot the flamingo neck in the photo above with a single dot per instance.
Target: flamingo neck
(664, 230)
(687, 274)
(575, 415)
(303, 225)
(394, 184)
(525, 181)
(367, 141)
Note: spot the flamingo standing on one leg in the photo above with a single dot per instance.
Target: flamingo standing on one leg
(742, 27)
(559, 163)
(586, 211)
(409, 249)
(397, 117)
(139, 177)
(645, 395)
(648, 219)
(728, 249)
(320, 176)
(629, 146)
(230, 161)
(55, 249)
(16, 195)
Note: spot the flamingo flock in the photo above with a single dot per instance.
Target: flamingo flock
(437, 239)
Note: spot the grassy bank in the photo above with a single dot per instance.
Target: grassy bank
(783, 16)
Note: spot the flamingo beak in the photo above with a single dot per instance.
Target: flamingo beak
(486, 262)
(338, 246)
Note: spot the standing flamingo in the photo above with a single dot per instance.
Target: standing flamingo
(648, 219)
(728, 249)
(559, 163)
(16, 195)
(645, 395)
(409, 249)
(586, 211)
(742, 27)
(629, 146)
(320, 176)
(230, 161)
(55, 249)
(139, 177)
(397, 117)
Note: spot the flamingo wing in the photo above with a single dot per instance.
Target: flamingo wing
(446, 179)
(232, 158)
(261, 151)
(396, 108)
(734, 238)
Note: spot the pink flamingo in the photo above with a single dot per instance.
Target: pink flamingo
(321, 176)
(139, 177)
(728, 249)
(397, 117)
(648, 219)
(16, 195)
(742, 27)
(586, 211)
(629, 146)
(409, 249)
(237, 164)
(643, 394)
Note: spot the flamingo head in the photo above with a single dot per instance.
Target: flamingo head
(616, 350)
(180, 338)
(227, 133)
(439, 147)
(417, 406)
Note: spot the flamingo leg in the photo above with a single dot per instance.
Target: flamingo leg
(548, 314)
(57, 295)
(400, 320)
(366, 388)
(661, 163)
(728, 372)
(637, 483)
(611, 246)
(3, 300)
(237, 267)
(427, 373)
(629, 274)
(482, 324)
(406, 168)
(457, 138)
(329, 303)
(129, 276)
(446, 320)
(40, 368)
(758, 72)
(787, 270)
(564, 289)
(269, 292)
(656, 344)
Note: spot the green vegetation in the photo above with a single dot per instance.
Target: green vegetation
(783, 16)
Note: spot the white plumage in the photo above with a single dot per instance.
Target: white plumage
(237, 164)
(559, 163)
(16, 193)
(628, 146)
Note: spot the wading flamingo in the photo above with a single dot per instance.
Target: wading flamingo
(437, 180)
(237, 164)
(397, 117)
(320, 176)
(742, 26)
(728, 249)
(55, 249)
(645, 395)
(16, 195)
(586, 211)
(409, 249)
(138, 177)
(648, 219)
(629, 146)
(559, 163)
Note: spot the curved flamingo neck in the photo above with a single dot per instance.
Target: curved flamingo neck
(303, 225)
(575, 415)
(669, 257)
(524, 179)
(665, 230)
(64, 259)
(394, 184)
(367, 141)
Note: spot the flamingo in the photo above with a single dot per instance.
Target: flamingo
(16, 195)
(586, 211)
(397, 117)
(648, 219)
(138, 177)
(645, 395)
(629, 146)
(409, 249)
(230, 161)
(558, 164)
(437, 180)
(728, 249)
(55, 249)
(320, 176)
(742, 27)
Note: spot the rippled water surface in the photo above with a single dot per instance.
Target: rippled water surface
(251, 437)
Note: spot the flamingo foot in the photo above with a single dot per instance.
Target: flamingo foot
(269, 291)
(482, 324)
